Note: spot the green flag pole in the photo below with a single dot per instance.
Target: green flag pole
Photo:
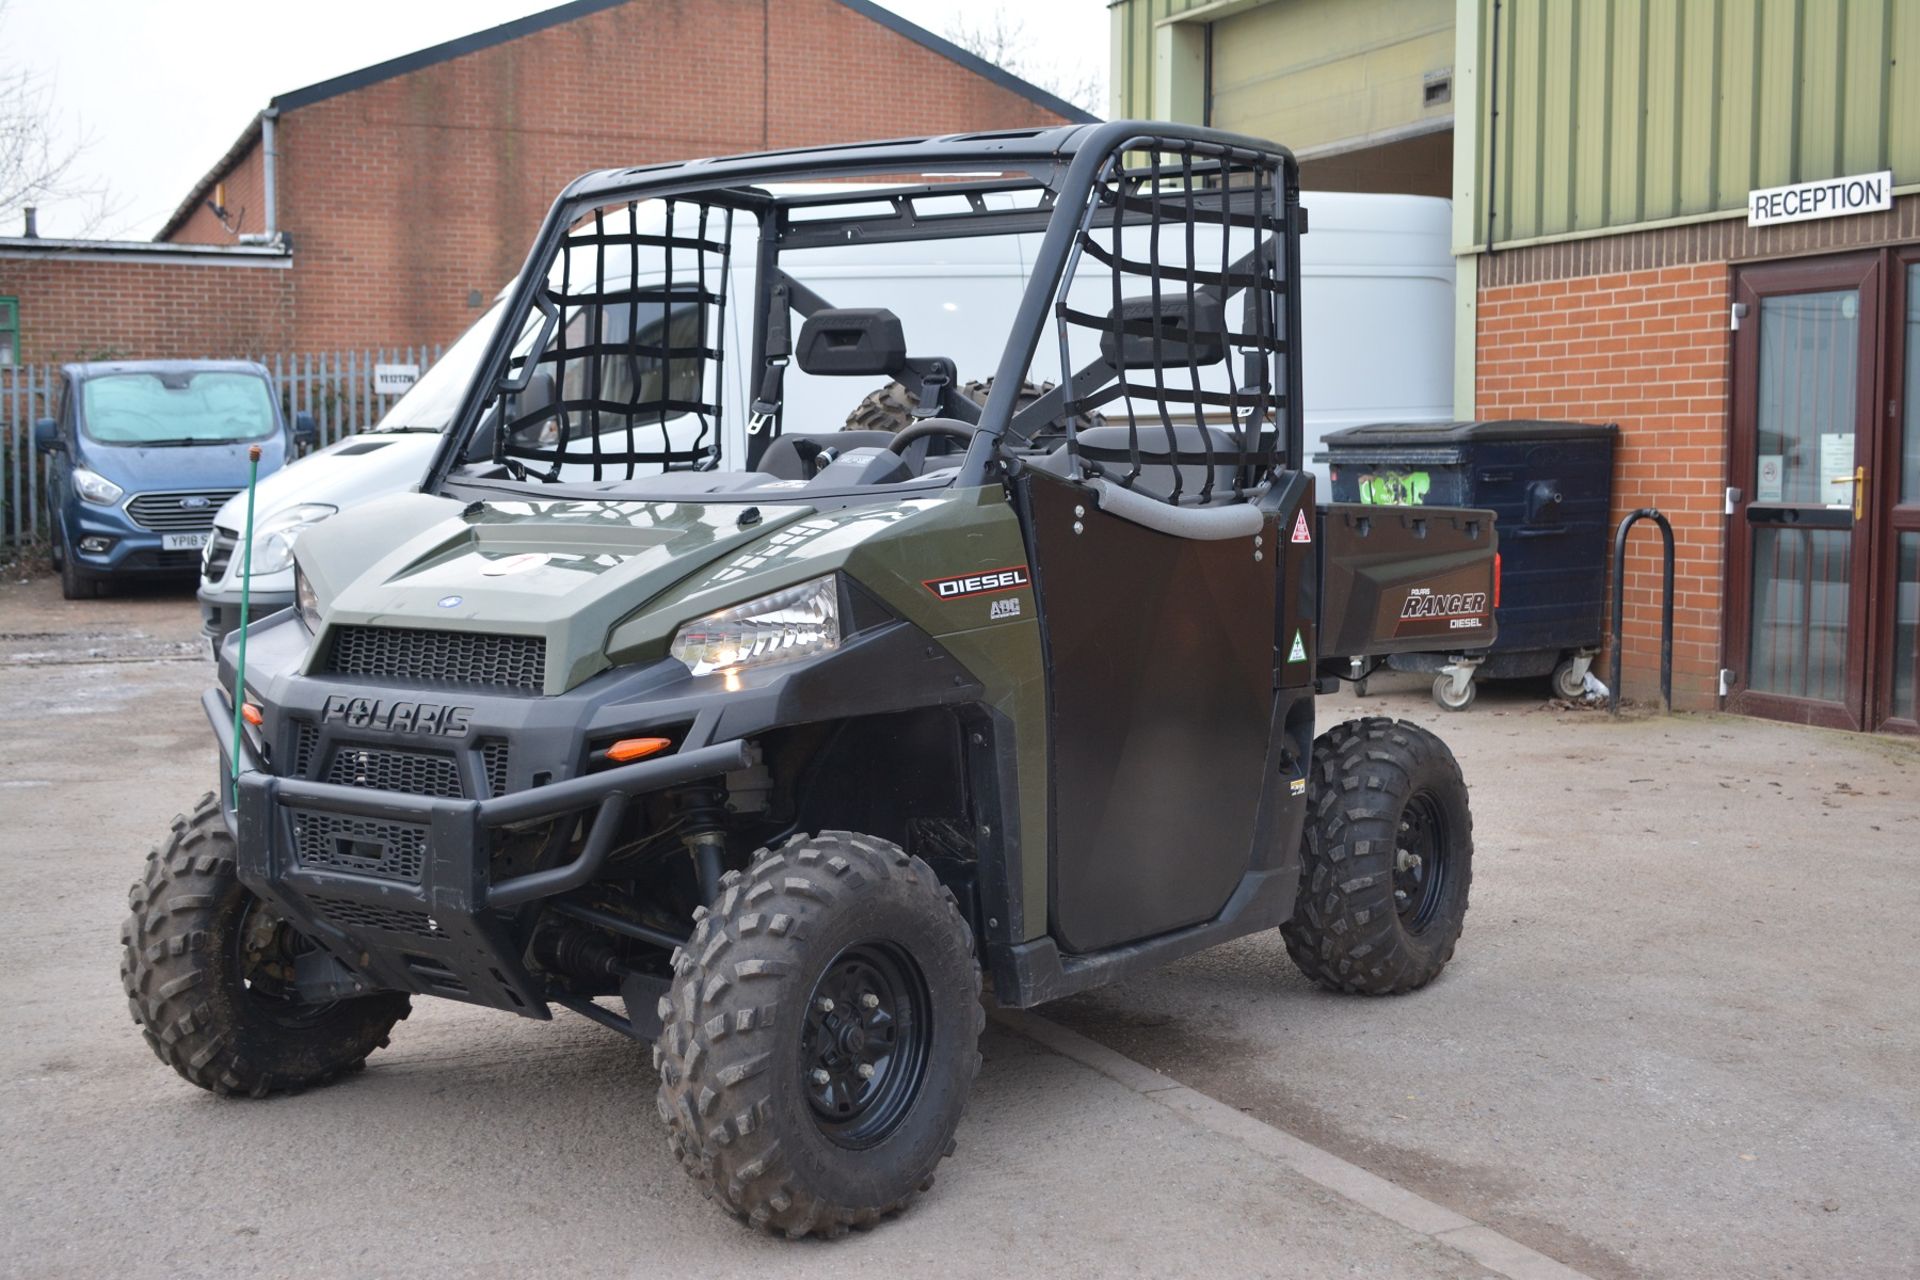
(246, 593)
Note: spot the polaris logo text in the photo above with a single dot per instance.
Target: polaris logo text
(1423, 603)
(397, 717)
(979, 584)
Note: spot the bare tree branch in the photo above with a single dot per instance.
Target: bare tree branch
(36, 164)
(1001, 38)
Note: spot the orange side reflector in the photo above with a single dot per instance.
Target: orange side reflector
(1498, 573)
(251, 714)
(630, 749)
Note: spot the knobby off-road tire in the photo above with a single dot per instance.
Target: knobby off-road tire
(1386, 861)
(745, 1017)
(195, 942)
(891, 409)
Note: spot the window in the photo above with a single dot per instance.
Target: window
(9, 332)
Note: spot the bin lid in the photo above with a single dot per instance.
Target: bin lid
(1457, 433)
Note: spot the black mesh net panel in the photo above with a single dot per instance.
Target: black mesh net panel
(1172, 317)
(620, 373)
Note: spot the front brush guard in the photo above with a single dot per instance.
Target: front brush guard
(449, 934)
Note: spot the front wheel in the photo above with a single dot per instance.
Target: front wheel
(1386, 860)
(208, 970)
(75, 582)
(820, 1036)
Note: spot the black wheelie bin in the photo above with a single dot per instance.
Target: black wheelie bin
(1551, 486)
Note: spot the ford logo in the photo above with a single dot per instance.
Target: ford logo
(195, 503)
(449, 602)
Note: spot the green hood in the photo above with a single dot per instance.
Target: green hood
(565, 570)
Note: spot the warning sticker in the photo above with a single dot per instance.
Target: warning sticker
(1300, 531)
(1299, 651)
(1298, 786)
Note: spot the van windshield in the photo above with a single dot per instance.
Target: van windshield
(429, 405)
(176, 408)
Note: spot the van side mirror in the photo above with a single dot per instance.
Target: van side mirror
(306, 433)
(46, 435)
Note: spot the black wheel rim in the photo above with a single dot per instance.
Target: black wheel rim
(865, 1043)
(266, 949)
(1422, 862)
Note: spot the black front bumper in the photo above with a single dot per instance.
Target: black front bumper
(396, 886)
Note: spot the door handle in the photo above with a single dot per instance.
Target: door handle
(1859, 482)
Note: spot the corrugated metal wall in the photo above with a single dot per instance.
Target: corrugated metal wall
(1616, 112)
(1309, 73)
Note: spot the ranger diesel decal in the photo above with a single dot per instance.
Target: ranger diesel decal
(1427, 611)
(979, 584)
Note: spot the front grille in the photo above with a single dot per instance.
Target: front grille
(219, 553)
(420, 773)
(306, 740)
(493, 754)
(362, 915)
(383, 850)
(159, 562)
(439, 657)
(186, 512)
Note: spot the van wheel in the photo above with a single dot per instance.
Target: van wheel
(1386, 860)
(76, 583)
(820, 1036)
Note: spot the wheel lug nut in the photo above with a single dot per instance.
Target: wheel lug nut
(824, 1004)
(819, 1076)
(866, 1071)
(869, 1001)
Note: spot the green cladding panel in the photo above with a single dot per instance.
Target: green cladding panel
(1617, 112)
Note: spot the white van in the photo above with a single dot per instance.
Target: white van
(1377, 315)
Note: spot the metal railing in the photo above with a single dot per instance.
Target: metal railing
(1619, 607)
(336, 387)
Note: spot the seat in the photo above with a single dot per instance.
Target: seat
(1107, 448)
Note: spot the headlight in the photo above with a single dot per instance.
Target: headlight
(305, 603)
(95, 488)
(273, 540)
(796, 623)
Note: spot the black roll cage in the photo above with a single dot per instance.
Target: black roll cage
(1068, 163)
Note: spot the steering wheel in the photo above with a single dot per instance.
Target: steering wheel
(950, 427)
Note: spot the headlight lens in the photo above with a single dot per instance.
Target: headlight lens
(96, 488)
(273, 540)
(305, 603)
(795, 623)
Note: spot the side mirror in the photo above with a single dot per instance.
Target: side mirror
(306, 433)
(46, 435)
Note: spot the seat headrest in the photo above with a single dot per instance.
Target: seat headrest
(852, 341)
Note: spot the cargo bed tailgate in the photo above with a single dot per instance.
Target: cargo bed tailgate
(1405, 579)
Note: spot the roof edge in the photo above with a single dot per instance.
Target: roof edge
(221, 168)
(972, 62)
(446, 51)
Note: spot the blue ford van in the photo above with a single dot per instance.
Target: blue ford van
(141, 456)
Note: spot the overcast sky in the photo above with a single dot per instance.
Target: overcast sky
(162, 87)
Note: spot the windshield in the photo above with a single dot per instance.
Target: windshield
(429, 405)
(176, 408)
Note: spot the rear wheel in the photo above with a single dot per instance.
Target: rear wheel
(1567, 686)
(1450, 697)
(1386, 861)
(820, 1036)
(208, 970)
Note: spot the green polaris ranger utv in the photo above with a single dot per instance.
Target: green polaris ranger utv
(666, 702)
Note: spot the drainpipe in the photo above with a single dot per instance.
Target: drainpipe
(270, 155)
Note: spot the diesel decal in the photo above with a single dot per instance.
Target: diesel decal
(397, 717)
(979, 584)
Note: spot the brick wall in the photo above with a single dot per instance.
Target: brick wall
(408, 197)
(83, 310)
(1632, 328)
(1648, 350)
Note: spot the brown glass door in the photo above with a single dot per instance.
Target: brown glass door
(1805, 437)
(1896, 637)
